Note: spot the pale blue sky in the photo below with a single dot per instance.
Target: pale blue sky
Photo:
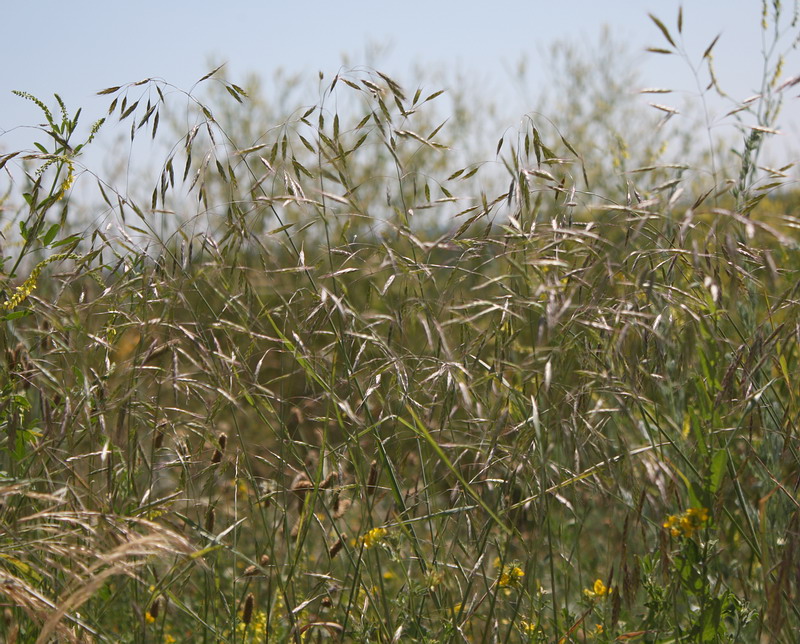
(80, 47)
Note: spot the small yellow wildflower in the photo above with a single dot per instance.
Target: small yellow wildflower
(22, 292)
(599, 589)
(68, 181)
(511, 575)
(149, 618)
(686, 524)
(374, 537)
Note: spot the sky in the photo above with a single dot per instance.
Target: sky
(78, 48)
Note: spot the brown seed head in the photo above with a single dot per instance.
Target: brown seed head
(329, 480)
(154, 608)
(340, 506)
(337, 546)
(372, 479)
(247, 611)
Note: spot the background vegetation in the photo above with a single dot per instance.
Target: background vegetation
(332, 378)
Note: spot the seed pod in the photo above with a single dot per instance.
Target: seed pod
(329, 480)
(264, 561)
(340, 506)
(210, 517)
(158, 435)
(301, 486)
(372, 479)
(154, 608)
(247, 611)
(336, 547)
(616, 605)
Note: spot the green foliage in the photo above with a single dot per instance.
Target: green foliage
(328, 380)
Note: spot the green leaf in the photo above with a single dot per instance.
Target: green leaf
(718, 463)
(50, 235)
(711, 620)
(15, 315)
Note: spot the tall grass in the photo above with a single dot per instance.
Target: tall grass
(322, 386)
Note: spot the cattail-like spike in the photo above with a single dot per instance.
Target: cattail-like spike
(337, 546)
(372, 479)
(247, 611)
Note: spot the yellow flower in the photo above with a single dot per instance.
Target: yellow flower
(510, 576)
(598, 590)
(687, 523)
(22, 292)
(374, 537)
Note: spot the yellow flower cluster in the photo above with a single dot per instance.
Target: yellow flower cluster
(511, 575)
(687, 523)
(22, 292)
(374, 537)
(68, 181)
(530, 628)
(599, 589)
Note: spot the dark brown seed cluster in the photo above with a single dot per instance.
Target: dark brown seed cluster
(372, 479)
(247, 611)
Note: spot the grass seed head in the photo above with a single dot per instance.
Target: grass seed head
(247, 611)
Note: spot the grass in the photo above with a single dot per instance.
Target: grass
(322, 386)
